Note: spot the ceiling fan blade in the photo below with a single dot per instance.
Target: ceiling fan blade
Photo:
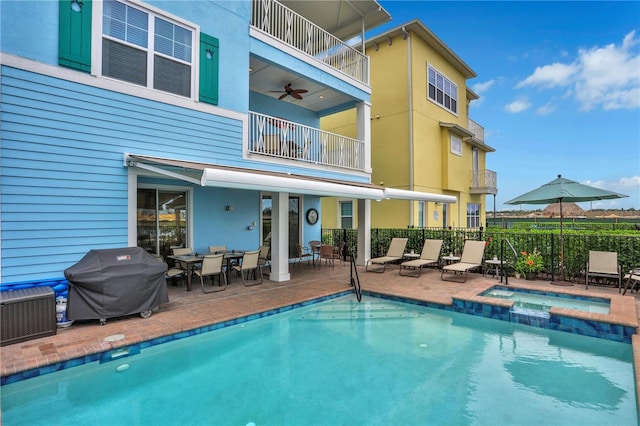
(300, 91)
(296, 95)
(283, 96)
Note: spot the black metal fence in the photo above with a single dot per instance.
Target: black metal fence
(576, 245)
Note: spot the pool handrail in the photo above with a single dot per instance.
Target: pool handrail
(504, 272)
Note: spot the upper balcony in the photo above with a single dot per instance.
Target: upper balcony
(483, 182)
(274, 137)
(476, 129)
(294, 30)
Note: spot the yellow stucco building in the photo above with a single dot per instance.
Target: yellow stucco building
(421, 134)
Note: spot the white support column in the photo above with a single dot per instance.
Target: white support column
(364, 232)
(363, 112)
(280, 237)
(132, 205)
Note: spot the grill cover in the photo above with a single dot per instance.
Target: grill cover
(110, 283)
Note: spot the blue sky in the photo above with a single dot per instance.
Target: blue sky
(559, 86)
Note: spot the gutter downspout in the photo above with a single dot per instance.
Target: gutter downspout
(405, 35)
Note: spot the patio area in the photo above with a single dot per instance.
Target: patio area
(192, 310)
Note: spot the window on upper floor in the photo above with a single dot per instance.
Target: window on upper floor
(473, 215)
(140, 45)
(442, 90)
(142, 48)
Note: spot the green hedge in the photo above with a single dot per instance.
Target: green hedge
(576, 244)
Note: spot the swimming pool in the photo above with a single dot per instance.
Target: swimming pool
(543, 301)
(342, 362)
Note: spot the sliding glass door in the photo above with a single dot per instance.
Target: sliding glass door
(294, 222)
(162, 220)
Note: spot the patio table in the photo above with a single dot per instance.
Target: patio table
(188, 260)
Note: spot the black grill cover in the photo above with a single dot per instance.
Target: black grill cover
(110, 283)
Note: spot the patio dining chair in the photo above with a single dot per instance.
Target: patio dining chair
(326, 254)
(180, 267)
(263, 258)
(212, 266)
(249, 265)
(301, 254)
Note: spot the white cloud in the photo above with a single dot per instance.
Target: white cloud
(550, 76)
(607, 77)
(481, 88)
(518, 105)
(546, 109)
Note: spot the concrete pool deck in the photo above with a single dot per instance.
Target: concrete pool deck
(192, 310)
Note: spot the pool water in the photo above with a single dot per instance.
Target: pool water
(377, 362)
(544, 302)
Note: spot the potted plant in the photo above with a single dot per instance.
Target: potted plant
(529, 264)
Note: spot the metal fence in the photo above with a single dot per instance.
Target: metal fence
(576, 246)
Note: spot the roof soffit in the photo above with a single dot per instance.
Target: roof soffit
(419, 29)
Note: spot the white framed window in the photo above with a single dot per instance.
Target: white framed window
(442, 91)
(346, 214)
(473, 215)
(143, 47)
(456, 146)
(422, 211)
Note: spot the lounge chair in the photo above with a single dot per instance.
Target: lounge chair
(430, 256)
(471, 259)
(631, 280)
(603, 264)
(394, 254)
(249, 264)
(212, 266)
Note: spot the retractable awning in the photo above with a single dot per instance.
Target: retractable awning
(258, 180)
(403, 194)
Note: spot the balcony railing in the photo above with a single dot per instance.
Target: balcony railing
(477, 129)
(279, 138)
(287, 26)
(483, 182)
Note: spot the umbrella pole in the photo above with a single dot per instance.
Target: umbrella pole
(561, 246)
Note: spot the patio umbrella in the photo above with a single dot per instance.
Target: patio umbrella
(564, 190)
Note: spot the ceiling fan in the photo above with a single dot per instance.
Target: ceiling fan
(288, 90)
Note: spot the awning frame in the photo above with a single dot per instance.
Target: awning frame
(240, 178)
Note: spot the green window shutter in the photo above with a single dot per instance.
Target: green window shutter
(74, 38)
(209, 54)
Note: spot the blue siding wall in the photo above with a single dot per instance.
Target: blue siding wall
(63, 187)
(228, 21)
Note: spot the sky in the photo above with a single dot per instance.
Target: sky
(559, 87)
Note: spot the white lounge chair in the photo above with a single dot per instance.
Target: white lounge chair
(430, 256)
(394, 254)
(603, 264)
(471, 259)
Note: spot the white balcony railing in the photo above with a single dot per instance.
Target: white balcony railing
(484, 182)
(287, 26)
(477, 129)
(279, 138)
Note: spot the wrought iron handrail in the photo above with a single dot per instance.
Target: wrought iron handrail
(277, 137)
(355, 282)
